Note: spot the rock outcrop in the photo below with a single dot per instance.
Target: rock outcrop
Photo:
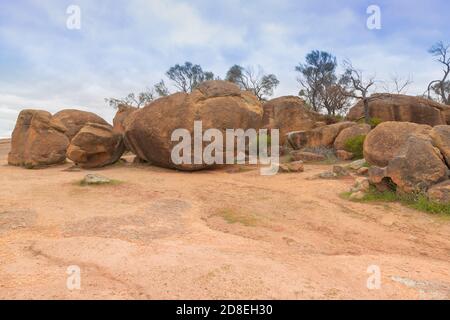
(405, 154)
(37, 141)
(320, 137)
(396, 107)
(218, 104)
(73, 120)
(95, 146)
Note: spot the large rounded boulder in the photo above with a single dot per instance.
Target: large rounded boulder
(218, 104)
(73, 120)
(349, 133)
(402, 108)
(96, 145)
(37, 141)
(122, 114)
(288, 114)
(384, 142)
(417, 166)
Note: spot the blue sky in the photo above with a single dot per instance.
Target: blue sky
(126, 46)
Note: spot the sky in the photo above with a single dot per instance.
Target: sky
(125, 46)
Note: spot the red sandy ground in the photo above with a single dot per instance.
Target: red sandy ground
(222, 234)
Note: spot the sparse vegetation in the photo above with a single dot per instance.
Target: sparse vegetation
(232, 216)
(355, 146)
(83, 183)
(419, 201)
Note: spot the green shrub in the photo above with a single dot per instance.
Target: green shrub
(355, 146)
(374, 122)
(418, 201)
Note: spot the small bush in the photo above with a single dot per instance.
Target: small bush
(373, 122)
(355, 146)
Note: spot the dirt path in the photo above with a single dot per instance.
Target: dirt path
(212, 234)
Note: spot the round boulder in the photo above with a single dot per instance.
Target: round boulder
(73, 120)
(417, 166)
(96, 145)
(36, 141)
(384, 142)
(217, 104)
(351, 132)
(288, 114)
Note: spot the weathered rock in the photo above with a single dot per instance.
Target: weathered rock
(95, 146)
(218, 104)
(287, 114)
(74, 120)
(361, 184)
(385, 141)
(377, 174)
(440, 136)
(340, 171)
(396, 107)
(357, 164)
(440, 192)
(322, 136)
(306, 156)
(36, 141)
(122, 114)
(327, 175)
(351, 132)
(364, 171)
(295, 166)
(418, 166)
(344, 155)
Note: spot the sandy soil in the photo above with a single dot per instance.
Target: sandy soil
(222, 234)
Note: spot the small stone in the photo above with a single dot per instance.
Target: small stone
(327, 175)
(344, 155)
(340, 171)
(95, 179)
(358, 164)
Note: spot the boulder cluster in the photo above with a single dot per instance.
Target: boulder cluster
(411, 157)
(410, 148)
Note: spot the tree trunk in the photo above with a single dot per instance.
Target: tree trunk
(366, 110)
